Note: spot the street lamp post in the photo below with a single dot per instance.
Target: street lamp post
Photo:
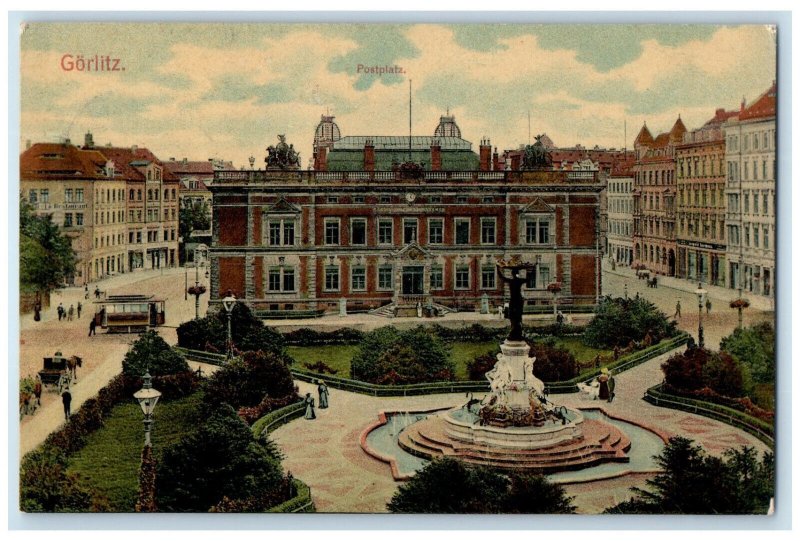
(228, 303)
(701, 295)
(198, 289)
(147, 397)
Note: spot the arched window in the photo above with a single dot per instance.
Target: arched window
(130, 194)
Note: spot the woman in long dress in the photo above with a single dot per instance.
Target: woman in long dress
(310, 407)
(322, 389)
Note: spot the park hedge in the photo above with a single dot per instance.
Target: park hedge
(762, 430)
(301, 503)
(279, 417)
(438, 387)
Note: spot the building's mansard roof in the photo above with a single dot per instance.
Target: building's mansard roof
(400, 142)
(353, 160)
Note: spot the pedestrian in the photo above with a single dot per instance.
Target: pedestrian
(708, 306)
(322, 389)
(678, 310)
(37, 390)
(71, 312)
(92, 327)
(560, 317)
(309, 407)
(602, 393)
(60, 311)
(96, 292)
(611, 384)
(66, 399)
(80, 307)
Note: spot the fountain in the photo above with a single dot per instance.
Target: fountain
(516, 425)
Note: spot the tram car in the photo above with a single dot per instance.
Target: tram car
(129, 313)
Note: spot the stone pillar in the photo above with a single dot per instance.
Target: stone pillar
(214, 279)
(249, 285)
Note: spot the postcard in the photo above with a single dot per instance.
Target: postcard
(397, 268)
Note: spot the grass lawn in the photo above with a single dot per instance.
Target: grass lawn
(111, 457)
(339, 356)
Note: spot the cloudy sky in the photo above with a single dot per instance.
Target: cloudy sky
(225, 91)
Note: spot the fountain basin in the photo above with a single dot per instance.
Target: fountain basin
(463, 426)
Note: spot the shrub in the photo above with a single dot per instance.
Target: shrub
(553, 363)
(246, 381)
(312, 337)
(754, 347)
(697, 368)
(477, 367)
(45, 485)
(389, 356)
(619, 321)
(219, 462)
(150, 353)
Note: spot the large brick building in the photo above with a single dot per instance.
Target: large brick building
(403, 240)
(654, 199)
(750, 190)
(700, 237)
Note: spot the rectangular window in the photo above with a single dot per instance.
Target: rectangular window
(747, 236)
(358, 279)
(274, 233)
(462, 277)
(435, 199)
(332, 231)
(531, 280)
(409, 230)
(437, 277)
(358, 231)
(765, 205)
(79, 218)
(68, 219)
(462, 230)
(130, 237)
(44, 196)
(461, 199)
(544, 232)
(537, 231)
(68, 195)
(747, 203)
(530, 231)
(331, 278)
(756, 235)
(386, 199)
(435, 231)
(288, 233)
(385, 280)
(385, 231)
(358, 199)
(274, 280)
(755, 203)
(288, 279)
(488, 274)
(166, 237)
(79, 195)
(333, 199)
(488, 233)
(544, 275)
(766, 237)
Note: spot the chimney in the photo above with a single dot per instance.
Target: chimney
(485, 154)
(88, 140)
(369, 156)
(436, 156)
(321, 159)
(743, 104)
(67, 141)
(172, 159)
(134, 148)
(496, 161)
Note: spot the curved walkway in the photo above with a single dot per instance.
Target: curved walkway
(325, 453)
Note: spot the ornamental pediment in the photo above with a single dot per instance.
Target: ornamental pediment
(537, 206)
(282, 206)
(413, 252)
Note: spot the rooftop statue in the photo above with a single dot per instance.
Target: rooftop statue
(536, 156)
(282, 156)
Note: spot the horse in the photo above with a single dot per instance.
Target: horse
(72, 366)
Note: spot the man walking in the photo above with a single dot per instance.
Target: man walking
(66, 399)
(79, 309)
(92, 327)
(708, 306)
(71, 313)
(60, 311)
(678, 310)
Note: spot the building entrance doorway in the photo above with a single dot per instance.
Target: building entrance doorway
(413, 280)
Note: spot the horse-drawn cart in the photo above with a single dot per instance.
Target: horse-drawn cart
(58, 371)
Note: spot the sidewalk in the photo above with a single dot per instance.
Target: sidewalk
(722, 294)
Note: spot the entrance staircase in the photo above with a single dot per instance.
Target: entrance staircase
(400, 309)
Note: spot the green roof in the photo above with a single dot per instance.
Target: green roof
(353, 160)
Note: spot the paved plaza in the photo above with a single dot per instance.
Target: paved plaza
(325, 453)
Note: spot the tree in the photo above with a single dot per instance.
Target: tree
(447, 485)
(248, 380)
(553, 363)
(754, 347)
(697, 368)
(47, 260)
(150, 353)
(692, 482)
(619, 321)
(194, 217)
(220, 460)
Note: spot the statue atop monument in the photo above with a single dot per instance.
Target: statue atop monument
(509, 272)
(536, 157)
(282, 156)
